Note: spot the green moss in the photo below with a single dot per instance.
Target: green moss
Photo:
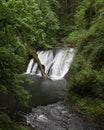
(89, 105)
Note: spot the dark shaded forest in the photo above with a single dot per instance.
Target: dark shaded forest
(42, 24)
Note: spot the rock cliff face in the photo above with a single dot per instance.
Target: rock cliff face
(57, 117)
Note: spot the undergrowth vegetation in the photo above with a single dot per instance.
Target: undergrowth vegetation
(86, 81)
(41, 24)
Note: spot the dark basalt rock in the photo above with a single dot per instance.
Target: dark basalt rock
(57, 117)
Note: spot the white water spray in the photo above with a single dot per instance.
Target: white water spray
(57, 63)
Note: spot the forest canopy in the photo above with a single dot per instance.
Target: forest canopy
(23, 24)
(87, 78)
(42, 24)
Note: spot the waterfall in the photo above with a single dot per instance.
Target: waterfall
(28, 71)
(57, 63)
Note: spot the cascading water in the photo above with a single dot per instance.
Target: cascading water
(56, 62)
(29, 66)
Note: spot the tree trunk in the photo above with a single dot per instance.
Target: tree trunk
(35, 56)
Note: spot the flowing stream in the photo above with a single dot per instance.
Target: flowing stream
(45, 91)
(48, 112)
(58, 117)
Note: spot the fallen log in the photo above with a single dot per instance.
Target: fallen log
(35, 56)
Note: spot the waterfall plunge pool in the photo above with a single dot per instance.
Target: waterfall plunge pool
(45, 91)
(48, 112)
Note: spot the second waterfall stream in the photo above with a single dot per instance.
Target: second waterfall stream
(56, 62)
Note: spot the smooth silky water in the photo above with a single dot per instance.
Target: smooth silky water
(50, 89)
(49, 115)
(56, 63)
(44, 112)
(45, 91)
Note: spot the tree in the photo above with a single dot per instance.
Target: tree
(24, 24)
(86, 80)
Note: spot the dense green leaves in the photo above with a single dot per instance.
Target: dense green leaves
(88, 68)
(24, 24)
(34, 24)
(50, 21)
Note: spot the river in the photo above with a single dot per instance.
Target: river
(49, 110)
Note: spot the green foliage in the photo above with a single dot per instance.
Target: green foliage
(10, 77)
(49, 17)
(90, 105)
(31, 22)
(7, 124)
(87, 75)
(66, 14)
(23, 23)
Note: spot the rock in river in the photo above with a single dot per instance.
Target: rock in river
(57, 117)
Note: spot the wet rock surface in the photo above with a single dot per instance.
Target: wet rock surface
(57, 117)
